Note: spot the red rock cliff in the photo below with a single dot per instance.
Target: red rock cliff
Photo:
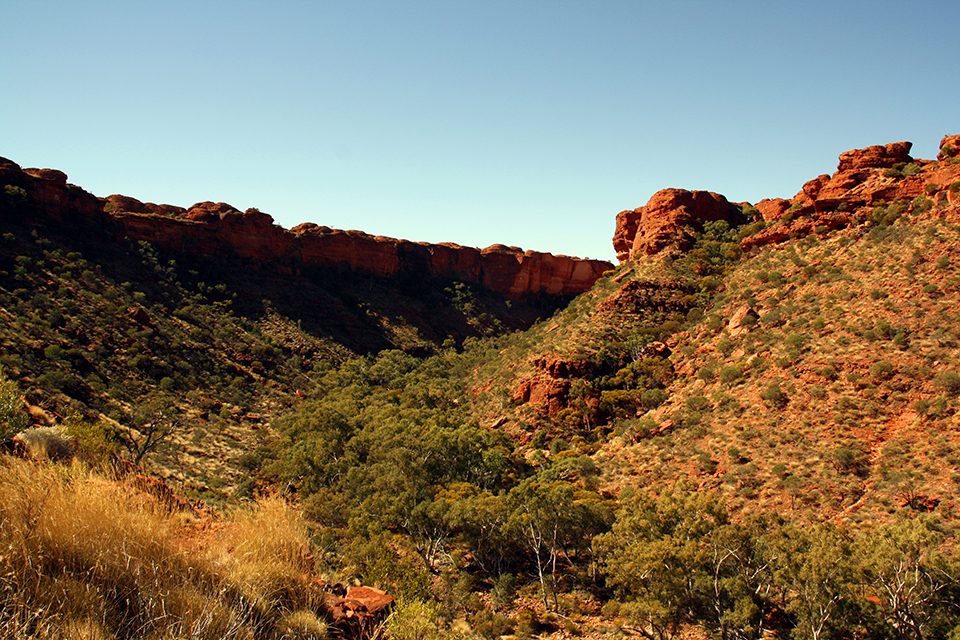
(667, 219)
(219, 231)
(864, 179)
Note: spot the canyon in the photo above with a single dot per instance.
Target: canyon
(223, 233)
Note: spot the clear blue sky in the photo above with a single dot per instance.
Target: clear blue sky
(523, 123)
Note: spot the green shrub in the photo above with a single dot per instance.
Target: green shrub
(653, 398)
(414, 620)
(882, 370)
(921, 204)
(730, 374)
(949, 381)
(774, 396)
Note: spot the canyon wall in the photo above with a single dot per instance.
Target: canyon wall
(865, 179)
(221, 232)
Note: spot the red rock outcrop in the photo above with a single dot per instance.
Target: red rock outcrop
(876, 156)
(862, 181)
(220, 231)
(357, 612)
(48, 191)
(669, 218)
(949, 147)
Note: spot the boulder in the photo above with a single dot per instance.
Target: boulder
(772, 209)
(670, 217)
(949, 147)
(356, 611)
(876, 156)
(742, 320)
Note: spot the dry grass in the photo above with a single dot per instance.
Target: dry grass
(82, 558)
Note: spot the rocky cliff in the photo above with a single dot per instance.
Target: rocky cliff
(220, 231)
(864, 179)
(671, 217)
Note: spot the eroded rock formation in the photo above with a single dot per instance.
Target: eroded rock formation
(670, 217)
(864, 178)
(221, 232)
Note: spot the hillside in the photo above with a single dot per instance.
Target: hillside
(746, 429)
(810, 359)
(221, 321)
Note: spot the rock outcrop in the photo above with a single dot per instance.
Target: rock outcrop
(875, 157)
(670, 217)
(949, 147)
(221, 232)
(865, 179)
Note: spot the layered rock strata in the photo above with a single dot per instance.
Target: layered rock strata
(864, 178)
(221, 232)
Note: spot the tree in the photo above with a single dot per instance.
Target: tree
(152, 424)
(815, 570)
(737, 583)
(656, 559)
(12, 417)
(914, 582)
(553, 516)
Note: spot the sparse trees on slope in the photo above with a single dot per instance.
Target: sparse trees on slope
(654, 557)
(914, 583)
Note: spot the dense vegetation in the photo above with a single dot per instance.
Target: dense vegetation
(790, 472)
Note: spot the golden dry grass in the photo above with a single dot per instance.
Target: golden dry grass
(80, 557)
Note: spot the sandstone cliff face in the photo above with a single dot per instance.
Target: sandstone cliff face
(221, 232)
(668, 218)
(864, 178)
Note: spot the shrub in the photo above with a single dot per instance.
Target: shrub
(12, 416)
(415, 621)
(774, 396)
(730, 374)
(921, 204)
(653, 398)
(882, 370)
(949, 381)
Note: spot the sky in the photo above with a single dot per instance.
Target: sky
(525, 123)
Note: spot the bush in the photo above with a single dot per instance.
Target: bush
(774, 396)
(882, 370)
(12, 416)
(949, 381)
(730, 373)
(414, 621)
(921, 204)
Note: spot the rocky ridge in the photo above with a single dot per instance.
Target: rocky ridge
(864, 178)
(856, 196)
(221, 232)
